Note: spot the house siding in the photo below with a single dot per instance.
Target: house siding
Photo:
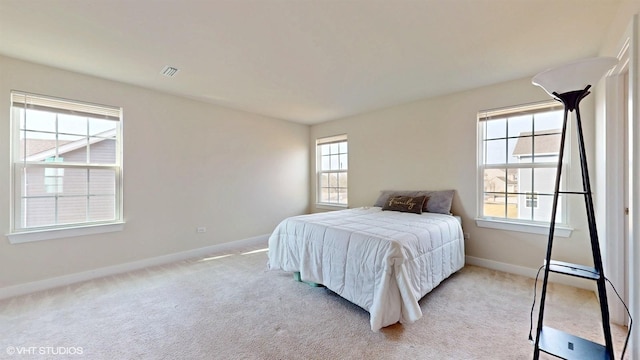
(70, 195)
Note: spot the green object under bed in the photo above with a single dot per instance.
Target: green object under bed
(296, 277)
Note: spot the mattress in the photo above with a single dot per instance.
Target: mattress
(382, 261)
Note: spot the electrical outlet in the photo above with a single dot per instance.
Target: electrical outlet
(466, 235)
(201, 229)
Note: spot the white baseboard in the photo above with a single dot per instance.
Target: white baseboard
(530, 273)
(27, 288)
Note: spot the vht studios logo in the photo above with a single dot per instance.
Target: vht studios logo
(44, 350)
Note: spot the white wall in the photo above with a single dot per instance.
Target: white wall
(431, 145)
(186, 164)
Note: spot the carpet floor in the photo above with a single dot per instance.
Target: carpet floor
(229, 306)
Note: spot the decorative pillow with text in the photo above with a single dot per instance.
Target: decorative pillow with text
(438, 201)
(409, 204)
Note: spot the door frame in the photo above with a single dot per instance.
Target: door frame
(622, 238)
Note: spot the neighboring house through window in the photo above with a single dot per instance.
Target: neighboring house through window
(66, 163)
(53, 177)
(332, 170)
(518, 156)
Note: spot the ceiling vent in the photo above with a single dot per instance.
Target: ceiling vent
(169, 71)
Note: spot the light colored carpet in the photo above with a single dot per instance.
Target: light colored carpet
(233, 308)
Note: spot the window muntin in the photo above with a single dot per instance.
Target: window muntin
(332, 170)
(518, 155)
(66, 163)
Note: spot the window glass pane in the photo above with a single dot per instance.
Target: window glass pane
(551, 159)
(547, 146)
(544, 180)
(343, 162)
(71, 124)
(102, 208)
(342, 195)
(525, 180)
(524, 205)
(545, 205)
(551, 120)
(333, 148)
(333, 180)
(324, 149)
(325, 163)
(512, 206)
(33, 181)
(495, 180)
(102, 182)
(495, 152)
(495, 129)
(343, 147)
(102, 128)
(53, 180)
(324, 180)
(324, 195)
(72, 209)
(39, 211)
(520, 150)
(513, 180)
(334, 162)
(75, 181)
(42, 121)
(342, 180)
(70, 139)
(36, 145)
(73, 148)
(333, 195)
(102, 151)
(520, 125)
(494, 205)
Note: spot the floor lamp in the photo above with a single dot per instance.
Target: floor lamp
(570, 84)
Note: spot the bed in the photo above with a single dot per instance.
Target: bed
(381, 259)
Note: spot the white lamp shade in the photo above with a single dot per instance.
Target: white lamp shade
(574, 76)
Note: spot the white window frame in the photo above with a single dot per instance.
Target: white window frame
(319, 171)
(522, 225)
(19, 232)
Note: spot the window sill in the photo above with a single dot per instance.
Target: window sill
(49, 234)
(331, 206)
(540, 229)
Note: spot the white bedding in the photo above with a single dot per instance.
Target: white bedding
(382, 261)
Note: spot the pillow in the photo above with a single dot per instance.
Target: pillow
(384, 195)
(440, 201)
(437, 201)
(405, 204)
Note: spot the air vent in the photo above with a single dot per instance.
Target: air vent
(169, 71)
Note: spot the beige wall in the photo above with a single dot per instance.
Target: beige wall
(186, 164)
(431, 145)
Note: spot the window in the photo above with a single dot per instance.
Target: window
(332, 166)
(66, 163)
(518, 156)
(532, 200)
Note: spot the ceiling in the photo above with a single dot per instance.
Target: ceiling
(306, 61)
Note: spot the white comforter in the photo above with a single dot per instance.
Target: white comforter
(382, 261)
